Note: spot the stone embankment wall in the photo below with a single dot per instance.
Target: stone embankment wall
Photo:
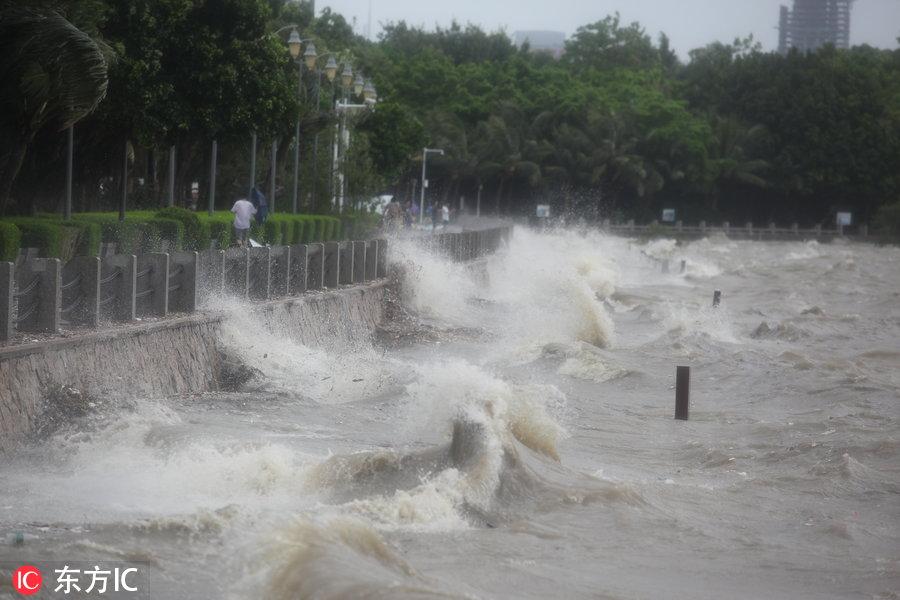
(316, 294)
(172, 356)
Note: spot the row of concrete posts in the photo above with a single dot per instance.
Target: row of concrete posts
(42, 295)
(467, 245)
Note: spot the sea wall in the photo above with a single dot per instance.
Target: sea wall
(167, 357)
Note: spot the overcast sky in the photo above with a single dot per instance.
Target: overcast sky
(689, 23)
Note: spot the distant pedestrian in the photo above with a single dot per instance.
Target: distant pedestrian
(445, 216)
(260, 204)
(243, 212)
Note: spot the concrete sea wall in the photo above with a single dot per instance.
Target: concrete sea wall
(167, 357)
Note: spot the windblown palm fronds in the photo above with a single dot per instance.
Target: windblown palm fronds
(52, 73)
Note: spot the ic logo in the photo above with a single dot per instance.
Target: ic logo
(27, 580)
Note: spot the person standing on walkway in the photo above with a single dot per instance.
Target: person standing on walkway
(445, 216)
(243, 212)
(260, 203)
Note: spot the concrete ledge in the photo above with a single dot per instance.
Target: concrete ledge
(171, 356)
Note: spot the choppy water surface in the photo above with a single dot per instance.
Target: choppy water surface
(512, 437)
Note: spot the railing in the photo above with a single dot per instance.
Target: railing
(42, 295)
(747, 231)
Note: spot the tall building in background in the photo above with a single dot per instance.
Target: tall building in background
(812, 24)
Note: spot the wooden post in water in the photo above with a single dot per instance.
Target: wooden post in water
(682, 392)
(717, 298)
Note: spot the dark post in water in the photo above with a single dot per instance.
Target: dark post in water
(682, 392)
(717, 298)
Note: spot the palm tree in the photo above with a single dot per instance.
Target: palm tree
(53, 74)
(729, 164)
(507, 152)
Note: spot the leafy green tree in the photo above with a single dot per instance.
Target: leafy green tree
(54, 74)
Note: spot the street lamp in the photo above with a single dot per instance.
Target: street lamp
(369, 91)
(346, 76)
(425, 152)
(310, 56)
(331, 68)
(342, 132)
(294, 42)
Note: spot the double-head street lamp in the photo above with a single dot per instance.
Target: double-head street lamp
(425, 153)
(355, 85)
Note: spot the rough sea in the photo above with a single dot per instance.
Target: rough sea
(510, 434)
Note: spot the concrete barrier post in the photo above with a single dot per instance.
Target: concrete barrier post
(457, 242)
(7, 288)
(381, 261)
(81, 291)
(345, 269)
(359, 262)
(332, 266)
(237, 271)
(39, 285)
(184, 271)
(152, 295)
(315, 266)
(281, 270)
(371, 260)
(118, 284)
(297, 273)
(212, 273)
(260, 273)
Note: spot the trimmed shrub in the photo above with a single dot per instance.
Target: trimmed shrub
(196, 231)
(160, 230)
(221, 232)
(10, 240)
(89, 237)
(272, 232)
(299, 231)
(41, 233)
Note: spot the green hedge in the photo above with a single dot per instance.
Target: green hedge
(10, 241)
(197, 233)
(145, 231)
(41, 233)
(168, 230)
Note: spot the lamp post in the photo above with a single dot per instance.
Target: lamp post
(69, 151)
(425, 152)
(331, 68)
(370, 97)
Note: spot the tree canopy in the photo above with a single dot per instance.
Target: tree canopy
(618, 126)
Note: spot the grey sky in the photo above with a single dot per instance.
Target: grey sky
(689, 23)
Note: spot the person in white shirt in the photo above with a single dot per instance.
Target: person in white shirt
(243, 211)
(445, 216)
